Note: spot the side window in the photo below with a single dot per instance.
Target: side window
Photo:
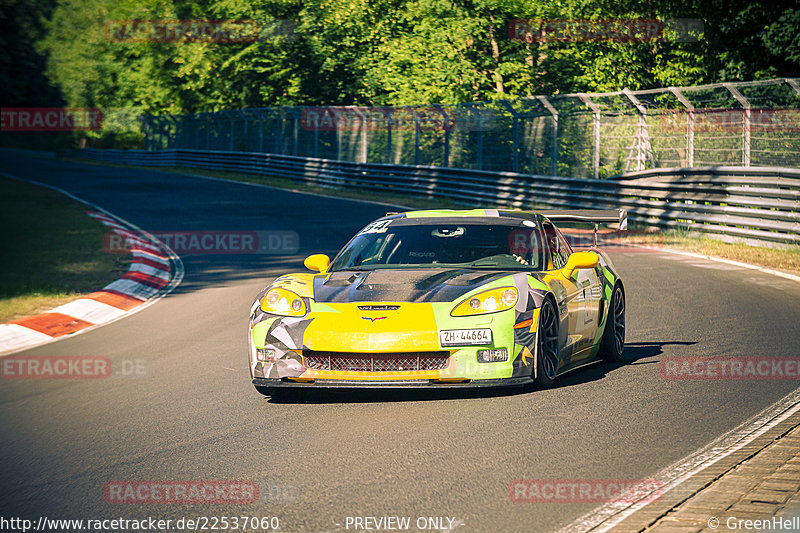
(564, 248)
(523, 245)
(557, 246)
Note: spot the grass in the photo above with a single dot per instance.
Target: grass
(787, 260)
(52, 251)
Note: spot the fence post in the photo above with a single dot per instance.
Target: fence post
(277, 137)
(293, 111)
(340, 125)
(446, 127)
(229, 115)
(260, 114)
(474, 111)
(217, 130)
(196, 130)
(363, 119)
(315, 150)
(554, 147)
(143, 119)
(364, 136)
(153, 132)
(480, 141)
(596, 130)
(160, 131)
(416, 133)
(515, 134)
(644, 151)
(183, 121)
(244, 117)
(172, 138)
(745, 122)
(689, 125)
(207, 127)
(389, 118)
(246, 139)
(275, 134)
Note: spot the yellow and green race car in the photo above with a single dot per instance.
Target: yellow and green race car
(446, 298)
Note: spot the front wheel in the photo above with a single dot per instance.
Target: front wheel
(547, 346)
(613, 342)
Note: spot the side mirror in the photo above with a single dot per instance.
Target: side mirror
(317, 262)
(580, 260)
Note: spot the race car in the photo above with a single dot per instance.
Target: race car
(442, 298)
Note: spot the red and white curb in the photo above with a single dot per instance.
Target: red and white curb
(154, 272)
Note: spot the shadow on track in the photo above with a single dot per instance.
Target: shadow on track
(594, 371)
(634, 352)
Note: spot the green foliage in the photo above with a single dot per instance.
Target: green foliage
(367, 52)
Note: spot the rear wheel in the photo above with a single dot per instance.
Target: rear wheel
(613, 342)
(547, 345)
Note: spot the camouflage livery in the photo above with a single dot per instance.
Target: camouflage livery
(386, 327)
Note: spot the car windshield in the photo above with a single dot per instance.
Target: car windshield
(396, 243)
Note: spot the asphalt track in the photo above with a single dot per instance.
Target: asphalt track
(195, 416)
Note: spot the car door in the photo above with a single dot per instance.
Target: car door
(580, 295)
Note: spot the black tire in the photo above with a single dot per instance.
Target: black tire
(547, 346)
(612, 344)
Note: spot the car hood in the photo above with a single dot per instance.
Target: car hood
(400, 285)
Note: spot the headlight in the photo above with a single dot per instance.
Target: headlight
(487, 302)
(280, 301)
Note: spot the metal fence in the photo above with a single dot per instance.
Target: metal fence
(599, 134)
(761, 205)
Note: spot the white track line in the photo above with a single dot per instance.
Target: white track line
(605, 517)
(734, 263)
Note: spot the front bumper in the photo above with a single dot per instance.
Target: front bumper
(287, 344)
(286, 383)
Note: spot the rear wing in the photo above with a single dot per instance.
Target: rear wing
(591, 216)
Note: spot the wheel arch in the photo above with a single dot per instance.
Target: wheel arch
(552, 298)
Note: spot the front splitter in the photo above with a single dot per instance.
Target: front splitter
(386, 384)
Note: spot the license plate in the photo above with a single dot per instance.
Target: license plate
(465, 337)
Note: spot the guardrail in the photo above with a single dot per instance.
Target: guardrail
(757, 204)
